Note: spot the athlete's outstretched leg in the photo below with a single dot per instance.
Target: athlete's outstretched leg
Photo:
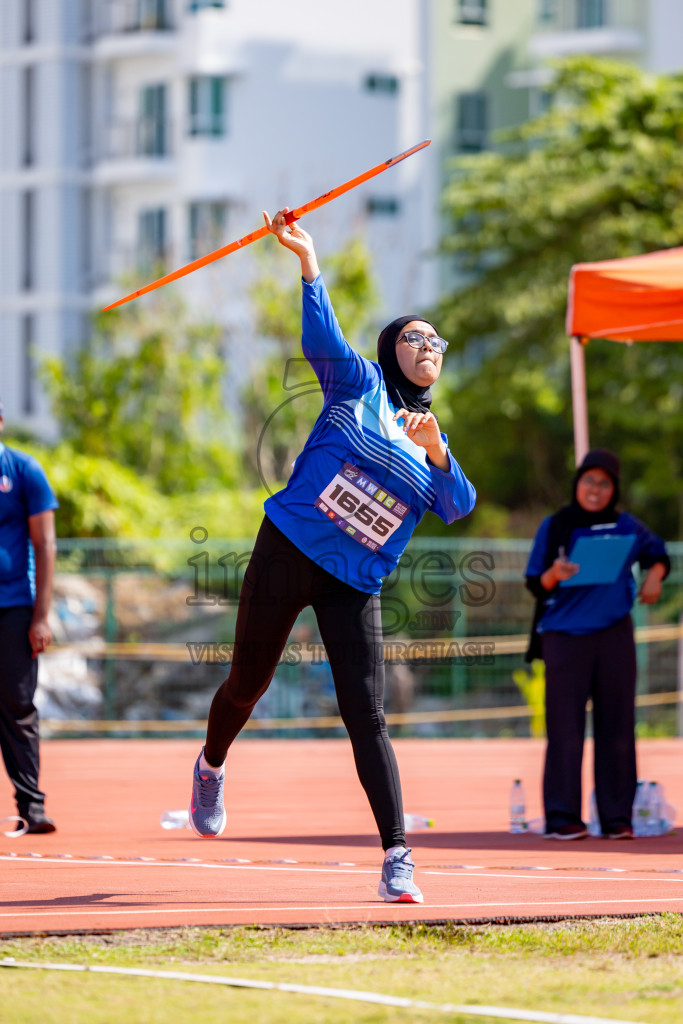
(272, 595)
(270, 600)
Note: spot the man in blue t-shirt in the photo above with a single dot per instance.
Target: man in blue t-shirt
(27, 558)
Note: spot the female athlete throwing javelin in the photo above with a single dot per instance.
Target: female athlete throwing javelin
(373, 464)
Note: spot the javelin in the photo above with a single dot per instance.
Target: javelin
(290, 217)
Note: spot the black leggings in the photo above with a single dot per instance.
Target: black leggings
(601, 666)
(279, 582)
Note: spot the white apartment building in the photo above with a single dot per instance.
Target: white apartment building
(143, 130)
(140, 130)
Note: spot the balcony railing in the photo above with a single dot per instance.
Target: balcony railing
(147, 137)
(206, 122)
(116, 17)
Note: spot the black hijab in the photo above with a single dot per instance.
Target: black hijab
(574, 517)
(401, 391)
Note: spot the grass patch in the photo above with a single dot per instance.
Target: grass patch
(623, 969)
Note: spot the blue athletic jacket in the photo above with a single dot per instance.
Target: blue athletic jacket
(581, 610)
(354, 450)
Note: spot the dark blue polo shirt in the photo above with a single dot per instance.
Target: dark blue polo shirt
(581, 610)
(24, 492)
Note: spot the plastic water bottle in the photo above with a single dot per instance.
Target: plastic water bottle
(641, 810)
(517, 808)
(175, 819)
(416, 822)
(668, 818)
(594, 826)
(654, 806)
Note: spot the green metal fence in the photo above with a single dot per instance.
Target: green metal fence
(151, 623)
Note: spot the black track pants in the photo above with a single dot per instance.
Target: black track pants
(18, 716)
(279, 581)
(600, 666)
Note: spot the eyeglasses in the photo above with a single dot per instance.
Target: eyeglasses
(418, 341)
(602, 485)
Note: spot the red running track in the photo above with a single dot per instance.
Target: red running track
(301, 846)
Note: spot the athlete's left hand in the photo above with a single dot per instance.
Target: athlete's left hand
(423, 429)
(420, 427)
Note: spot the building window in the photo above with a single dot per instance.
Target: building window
(86, 119)
(29, 27)
(151, 237)
(197, 5)
(27, 233)
(547, 11)
(151, 14)
(207, 105)
(471, 12)
(387, 84)
(86, 254)
(206, 227)
(28, 368)
(382, 206)
(472, 122)
(590, 13)
(88, 21)
(540, 102)
(127, 16)
(152, 134)
(28, 88)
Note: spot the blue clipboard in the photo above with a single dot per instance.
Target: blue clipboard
(601, 558)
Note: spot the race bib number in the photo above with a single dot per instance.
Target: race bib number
(360, 507)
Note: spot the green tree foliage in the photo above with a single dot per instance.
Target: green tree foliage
(101, 498)
(282, 398)
(599, 176)
(147, 393)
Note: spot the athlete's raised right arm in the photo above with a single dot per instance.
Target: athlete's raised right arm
(340, 370)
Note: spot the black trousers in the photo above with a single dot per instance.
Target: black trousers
(600, 666)
(18, 715)
(278, 583)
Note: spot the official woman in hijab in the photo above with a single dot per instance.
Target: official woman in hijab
(584, 633)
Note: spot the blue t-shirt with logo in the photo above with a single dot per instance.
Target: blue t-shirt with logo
(360, 486)
(24, 492)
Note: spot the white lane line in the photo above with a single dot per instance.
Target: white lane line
(283, 866)
(504, 1013)
(356, 995)
(322, 907)
(548, 879)
(99, 862)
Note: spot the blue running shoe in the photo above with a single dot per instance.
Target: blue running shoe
(207, 813)
(397, 884)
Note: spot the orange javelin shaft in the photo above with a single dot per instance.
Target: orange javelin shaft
(293, 215)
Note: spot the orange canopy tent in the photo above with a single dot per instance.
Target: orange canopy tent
(639, 298)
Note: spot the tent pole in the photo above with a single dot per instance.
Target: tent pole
(579, 403)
